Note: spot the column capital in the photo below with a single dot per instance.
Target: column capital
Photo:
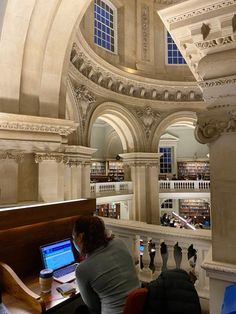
(14, 155)
(49, 156)
(141, 159)
(214, 122)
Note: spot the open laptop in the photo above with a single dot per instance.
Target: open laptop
(59, 256)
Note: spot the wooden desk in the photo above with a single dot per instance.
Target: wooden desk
(54, 301)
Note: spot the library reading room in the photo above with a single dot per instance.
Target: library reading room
(117, 156)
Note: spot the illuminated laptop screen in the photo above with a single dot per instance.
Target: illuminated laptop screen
(58, 254)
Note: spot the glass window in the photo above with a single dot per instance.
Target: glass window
(167, 204)
(105, 25)
(166, 160)
(173, 54)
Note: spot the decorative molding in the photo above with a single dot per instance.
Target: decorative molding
(17, 156)
(201, 11)
(15, 122)
(141, 159)
(40, 157)
(122, 83)
(221, 41)
(145, 33)
(213, 123)
(218, 82)
(82, 93)
(84, 100)
(149, 118)
(72, 162)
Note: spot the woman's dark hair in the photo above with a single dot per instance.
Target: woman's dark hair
(94, 233)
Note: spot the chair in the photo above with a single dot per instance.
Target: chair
(135, 301)
(12, 285)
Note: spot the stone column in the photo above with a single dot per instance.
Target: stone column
(9, 167)
(144, 175)
(77, 160)
(50, 176)
(217, 127)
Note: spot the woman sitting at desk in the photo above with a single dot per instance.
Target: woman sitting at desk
(107, 274)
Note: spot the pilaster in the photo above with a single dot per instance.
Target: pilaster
(144, 175)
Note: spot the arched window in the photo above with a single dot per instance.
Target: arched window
(174, 56)
(167, 204)
(105, 25)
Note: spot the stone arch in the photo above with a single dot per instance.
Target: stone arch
(37, 65)
(180, 116)
(123, 122)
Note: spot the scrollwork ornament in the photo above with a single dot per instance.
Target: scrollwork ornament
(209, 129)
(18, 157)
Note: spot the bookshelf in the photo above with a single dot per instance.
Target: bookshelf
(104, 171)
(193, 170)
(116, 170)
(194, 208)
(109, 210)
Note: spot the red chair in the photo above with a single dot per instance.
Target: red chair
(135, 301)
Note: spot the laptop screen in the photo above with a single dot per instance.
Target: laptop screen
(58, 254)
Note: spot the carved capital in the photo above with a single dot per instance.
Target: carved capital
(71, 161)
(40, 157)
(16, 156)
(212, 124)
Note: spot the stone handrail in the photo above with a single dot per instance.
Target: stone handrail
(177, 241)
(186, 185)
(116, 187)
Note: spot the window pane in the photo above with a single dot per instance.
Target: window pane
(173, 53)
(103, 21)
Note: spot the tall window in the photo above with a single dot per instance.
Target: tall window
(173, 54)
(105, 25)
(166, 160)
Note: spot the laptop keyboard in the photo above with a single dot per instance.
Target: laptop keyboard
(64, 271)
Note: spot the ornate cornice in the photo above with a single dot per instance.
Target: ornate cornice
(124, 83)
(200, 11)
(17, 156)
(14, 122)
(201, 29)
(40, 157)
(215, 122)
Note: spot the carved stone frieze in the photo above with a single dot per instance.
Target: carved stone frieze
(17, 156)
(82, 93)
(119, 83)
(71, 161)
(201, 11)
(146, 164)
(40, 157)
(85, 100)
(213, 123)
(215, 42)
(149, 118)
(36, 127)
(218, 82)
(145, 32)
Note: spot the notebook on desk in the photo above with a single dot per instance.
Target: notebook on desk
(59, 256)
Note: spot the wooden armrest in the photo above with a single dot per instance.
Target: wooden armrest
(13, 285)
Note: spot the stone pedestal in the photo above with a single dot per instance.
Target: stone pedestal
(144, 174)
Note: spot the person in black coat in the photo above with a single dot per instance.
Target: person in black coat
(172, 293)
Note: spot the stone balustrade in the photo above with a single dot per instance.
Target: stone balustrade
(184, 185)
(108, 187)
(174, 248)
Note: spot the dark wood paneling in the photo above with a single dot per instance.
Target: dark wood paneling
(28, 228)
